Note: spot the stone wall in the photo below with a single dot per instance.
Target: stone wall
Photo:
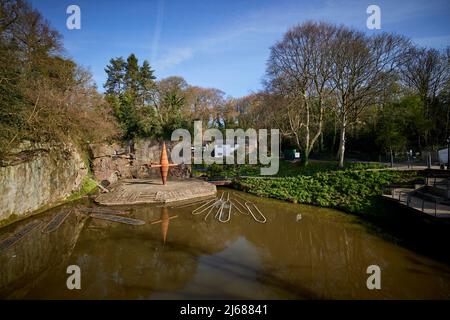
(126, 161)
(36, 176)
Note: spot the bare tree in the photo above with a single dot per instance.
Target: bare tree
(254, 111)
(45, 96)
(204, 104)
(426, 71)
(298, 71)
(360, 66)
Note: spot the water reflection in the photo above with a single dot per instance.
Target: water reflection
(176, 255)
(165, 221)
(29, 260)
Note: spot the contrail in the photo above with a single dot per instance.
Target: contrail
(158, 26)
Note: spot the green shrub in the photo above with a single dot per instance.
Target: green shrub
(286, 169)
(348, 190)
(88, 186)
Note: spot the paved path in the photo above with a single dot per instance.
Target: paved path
(403, 168)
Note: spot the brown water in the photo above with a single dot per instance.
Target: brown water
(324, 254)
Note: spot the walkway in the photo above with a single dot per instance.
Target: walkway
(432, 208)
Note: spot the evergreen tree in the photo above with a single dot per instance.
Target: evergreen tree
(127, 116)
(171, 105)
(116, 73)
(147, 84)
(131, 90)
(132, 75)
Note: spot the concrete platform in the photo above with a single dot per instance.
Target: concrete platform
(139, 191)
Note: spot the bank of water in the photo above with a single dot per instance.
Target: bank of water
(301, 252)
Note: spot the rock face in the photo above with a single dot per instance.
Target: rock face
(36, 176)
(113, 162)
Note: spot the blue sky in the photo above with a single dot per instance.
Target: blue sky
(222, 44)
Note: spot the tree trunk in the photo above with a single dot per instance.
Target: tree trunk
(342, 145)
(333, 143)
(392, 157)
(304, 157)
(321, 143)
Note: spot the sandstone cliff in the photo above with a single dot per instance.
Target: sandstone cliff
(37, 176)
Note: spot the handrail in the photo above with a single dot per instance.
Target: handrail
(410, 195)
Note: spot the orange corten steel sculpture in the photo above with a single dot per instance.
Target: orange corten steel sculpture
(164, 164)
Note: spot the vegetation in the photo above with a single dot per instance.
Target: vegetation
(43, 95)
(88, 186)
(326, 87)
(145, 107)
(329, 84)
(329, 89)
(286, 169)
(353, 191)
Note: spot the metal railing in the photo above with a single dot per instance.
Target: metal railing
(400, 195)
(408, 201)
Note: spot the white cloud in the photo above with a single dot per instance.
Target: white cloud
(174, 57)
(158, 27)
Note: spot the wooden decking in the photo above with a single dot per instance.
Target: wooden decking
(141, 191)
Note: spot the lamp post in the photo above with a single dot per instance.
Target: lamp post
(409, 155)
(448, 153)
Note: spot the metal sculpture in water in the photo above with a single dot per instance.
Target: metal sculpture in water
(164, 164)
(224, 206)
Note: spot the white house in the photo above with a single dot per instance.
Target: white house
(224, 150)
